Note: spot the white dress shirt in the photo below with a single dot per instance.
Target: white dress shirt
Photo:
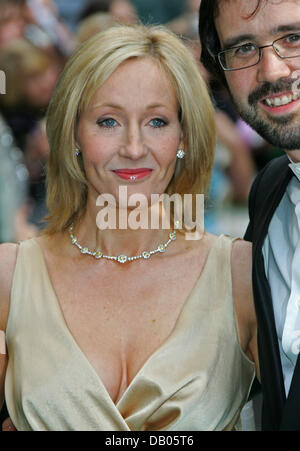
(281, 251)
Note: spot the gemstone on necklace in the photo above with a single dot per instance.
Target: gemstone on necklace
(98, 254)
(146, 254)
(172, 236)
(161, 248)
(74, 240)
(84, 250)
(122, 258)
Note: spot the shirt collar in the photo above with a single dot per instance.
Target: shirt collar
(295, 167)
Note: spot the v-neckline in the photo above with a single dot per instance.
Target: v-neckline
(76, 346)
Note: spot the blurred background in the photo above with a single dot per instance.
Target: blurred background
(36, 39)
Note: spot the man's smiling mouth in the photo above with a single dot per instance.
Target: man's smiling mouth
(285, 99)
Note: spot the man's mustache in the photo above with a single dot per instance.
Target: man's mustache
(268, 89)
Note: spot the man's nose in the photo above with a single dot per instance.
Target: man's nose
(271, 67)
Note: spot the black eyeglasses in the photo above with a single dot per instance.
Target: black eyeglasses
(248, 55)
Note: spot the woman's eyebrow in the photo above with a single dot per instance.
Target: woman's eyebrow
(108, 105)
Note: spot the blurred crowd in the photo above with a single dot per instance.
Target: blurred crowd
(36, 39)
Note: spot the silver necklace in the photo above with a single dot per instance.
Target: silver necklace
(122, 258)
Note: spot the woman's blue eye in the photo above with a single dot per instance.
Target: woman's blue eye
(107, 123)
(157, 123)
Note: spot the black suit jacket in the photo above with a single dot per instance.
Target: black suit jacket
(267, 191)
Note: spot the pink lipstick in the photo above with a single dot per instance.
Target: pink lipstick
(133, 175)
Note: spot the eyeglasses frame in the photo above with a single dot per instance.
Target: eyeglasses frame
(259, 54)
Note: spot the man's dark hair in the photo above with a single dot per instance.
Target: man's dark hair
(209, 37)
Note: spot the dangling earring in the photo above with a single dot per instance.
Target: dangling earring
(180, 154)
(77, 151)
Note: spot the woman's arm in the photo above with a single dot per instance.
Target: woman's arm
(3, 364)
(8, 253)
(243, 299)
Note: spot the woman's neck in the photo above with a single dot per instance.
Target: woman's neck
(117, 239)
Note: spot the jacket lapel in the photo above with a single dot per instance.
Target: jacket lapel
(271, 201)
(291, 412)
(270, 364)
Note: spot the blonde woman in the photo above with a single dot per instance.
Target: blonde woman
(123, 328)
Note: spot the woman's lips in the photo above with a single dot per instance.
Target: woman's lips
(133, 174)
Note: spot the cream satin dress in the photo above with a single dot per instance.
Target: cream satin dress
(198, 379)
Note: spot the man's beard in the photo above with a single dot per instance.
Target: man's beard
(280, 131)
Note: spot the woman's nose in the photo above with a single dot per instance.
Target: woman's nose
(134, 146)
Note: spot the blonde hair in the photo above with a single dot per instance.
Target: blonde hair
(85, 72)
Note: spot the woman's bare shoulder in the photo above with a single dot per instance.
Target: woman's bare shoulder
(8, 256)
(242, 254)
